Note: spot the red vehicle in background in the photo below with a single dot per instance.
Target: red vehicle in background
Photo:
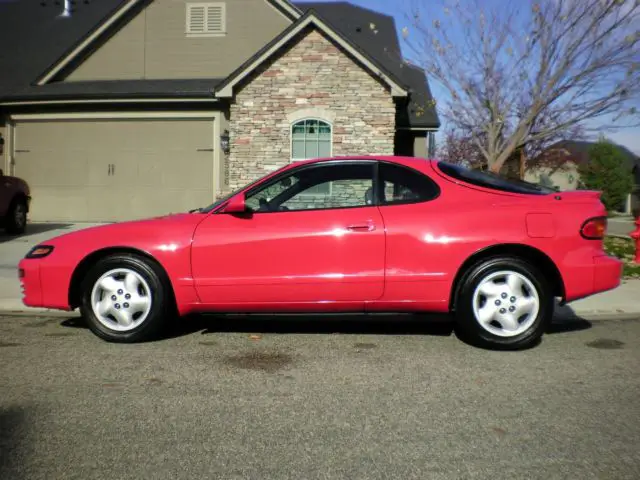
(14, 203)
(351, 234)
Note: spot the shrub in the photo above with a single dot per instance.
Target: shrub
(608, 172)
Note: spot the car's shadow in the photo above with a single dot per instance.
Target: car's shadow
(299, 324)
(425, 325)
(33, 229)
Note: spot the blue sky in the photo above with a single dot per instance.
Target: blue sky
(629, 137)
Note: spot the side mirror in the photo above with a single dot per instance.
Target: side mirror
(236, 204)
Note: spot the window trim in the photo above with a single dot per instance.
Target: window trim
(304, 119)
(266, 183)
(321, 164)
(292, 160)
(378, 185)
(206, 5)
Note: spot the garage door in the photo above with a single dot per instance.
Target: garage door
(114, 170)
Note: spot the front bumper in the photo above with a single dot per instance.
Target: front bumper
(30, 283)
(45, 284)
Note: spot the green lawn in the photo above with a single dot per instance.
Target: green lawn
(624, 249)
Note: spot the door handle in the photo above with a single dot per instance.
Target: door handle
(362, 227)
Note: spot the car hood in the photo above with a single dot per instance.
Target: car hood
(17, 182)
(146, 234)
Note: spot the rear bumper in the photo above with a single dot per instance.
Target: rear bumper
(607, 273)
(595, 274)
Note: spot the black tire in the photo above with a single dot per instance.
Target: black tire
(468, 327)
(16, 219)
(162, 305)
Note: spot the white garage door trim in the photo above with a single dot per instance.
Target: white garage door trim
(7, 166)
(215, 116)
(168, 114)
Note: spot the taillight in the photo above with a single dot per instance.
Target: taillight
(594, 228)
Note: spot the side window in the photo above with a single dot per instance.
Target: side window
(333, 186)
(402, 185)
(259, 201)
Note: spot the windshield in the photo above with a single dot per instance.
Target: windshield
(220, 201)
(217, 203)
(492, 180)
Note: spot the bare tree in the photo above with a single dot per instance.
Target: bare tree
(524, 73)
(459, 148)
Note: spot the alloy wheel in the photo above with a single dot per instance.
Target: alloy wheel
(506, 303)
(121, 299)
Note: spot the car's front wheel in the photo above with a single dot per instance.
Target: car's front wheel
(503, 303)
(125, 299)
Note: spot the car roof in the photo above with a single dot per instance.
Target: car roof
(386, 158)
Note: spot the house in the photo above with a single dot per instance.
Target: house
(558, 165)
(115, 110)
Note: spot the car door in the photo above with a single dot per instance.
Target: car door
(311, 236)
(417, 245)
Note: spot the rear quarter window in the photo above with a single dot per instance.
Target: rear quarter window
(491, 180)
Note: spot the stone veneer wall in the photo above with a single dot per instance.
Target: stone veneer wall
(312, 78)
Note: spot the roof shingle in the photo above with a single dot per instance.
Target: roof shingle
(39, 37)
(102, 89)
(33, 36)
(376, 34)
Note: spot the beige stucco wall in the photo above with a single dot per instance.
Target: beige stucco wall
(154, 44)
(420, 146)
(312, 79)
(121, 57)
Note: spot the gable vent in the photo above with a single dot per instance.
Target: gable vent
(206, 19)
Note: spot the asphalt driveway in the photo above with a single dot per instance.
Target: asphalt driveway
(279, 399)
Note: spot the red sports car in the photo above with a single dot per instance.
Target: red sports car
(361, 234)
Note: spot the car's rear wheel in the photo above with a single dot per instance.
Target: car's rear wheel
(503, 303)
(16, 220)
(125, 299)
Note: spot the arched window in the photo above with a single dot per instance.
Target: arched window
(310, 138)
